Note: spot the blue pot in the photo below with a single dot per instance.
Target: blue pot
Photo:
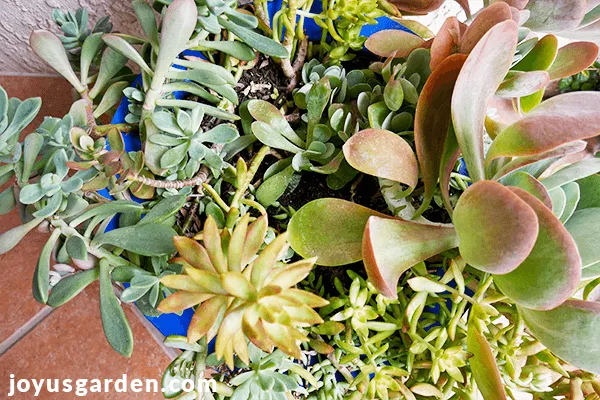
(173, 324)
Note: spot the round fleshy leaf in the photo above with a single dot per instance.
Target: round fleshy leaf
(392, 246)
(330, 229)
(522, 84)
(541, 57)
(554, 262)
(382, 154)
(497, 229)
(393, 42)
(445, 42)
(571, 331)
(531, 185)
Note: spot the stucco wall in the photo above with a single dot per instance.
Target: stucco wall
(19, 17)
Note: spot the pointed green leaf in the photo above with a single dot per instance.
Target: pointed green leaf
(90, 48)
(12, 237)
(119, 44)
(146, 239)
(41, 275)
(263, 44)
(541, 57)
(113, 96)
(69, 287)
(271, 189)
(484, 366)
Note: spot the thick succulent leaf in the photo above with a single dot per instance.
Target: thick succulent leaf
(293, 273)
(90, 48)
(501, 113)
(236, 244)
(179, 301)
(555, 15)
(49, 47)
(178, 25)
(41, 277)
(114, 322)
(541, 57)
(432, 121)
(571, 331)
(530, 184)
(445, 42)
(573, 172)
(12, 237)
(572, 59)
(70, 286)
(383, 154)
(148, 239)
(330, 229)
(485, 20)
(520, 84)
(572, 196)
(483, 365)
(254, 238)
(560, 151)
(269, 114)
(543, 128)
(392, 246)
(255, 40)
(239, 50)
(111, 64)
(119, 44)
(554, 261)
(193, 253)
(205, 317)
(590, 192)
(507, 237)
(396, 43)
(236, 284)
(271, 189)
(449, 158)
(477, 82)
(584, 227)
(181, 282)
(264, 263)
(145, 16)
(7, 200)
(209, 281)
(164, 209)
(113, 95)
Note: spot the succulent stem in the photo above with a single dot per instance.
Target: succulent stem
(197, 180)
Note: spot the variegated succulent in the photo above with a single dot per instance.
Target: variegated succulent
(242, 293)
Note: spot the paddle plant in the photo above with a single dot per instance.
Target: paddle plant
(388, 215)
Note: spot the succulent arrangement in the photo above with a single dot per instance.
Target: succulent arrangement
(408, 216)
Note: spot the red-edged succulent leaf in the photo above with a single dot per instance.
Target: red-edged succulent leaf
(572, 59)
(501, 113)
(531, 185)
(520, 84)
(559, 120)
(193, 253)
(446, 42)
(212, 244)
(483, 365)
(236, 244)
(541, 57)
(571, 331)
(449, 158)
(554, 262)
(518, 4)
(418, 6)
(392, 246)
(383, 154)
(179, 301)
(330, 229)
(205, 317)
(393, 42)
(485, 20)
(560, 151)
(432, 121)
(508, 235)
(479, 79)
(255, 238)
(555, 15)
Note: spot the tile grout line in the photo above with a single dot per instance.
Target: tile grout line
(152, 330)
(25, 329)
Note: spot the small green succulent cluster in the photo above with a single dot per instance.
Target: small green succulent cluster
(74, 25)
(585, 80)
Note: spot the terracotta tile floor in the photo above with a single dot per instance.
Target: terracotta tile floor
(67, 343)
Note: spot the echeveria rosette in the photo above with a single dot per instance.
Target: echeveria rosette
(242, 293)
(180, 142)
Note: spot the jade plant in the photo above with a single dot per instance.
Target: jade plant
(400, 215)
